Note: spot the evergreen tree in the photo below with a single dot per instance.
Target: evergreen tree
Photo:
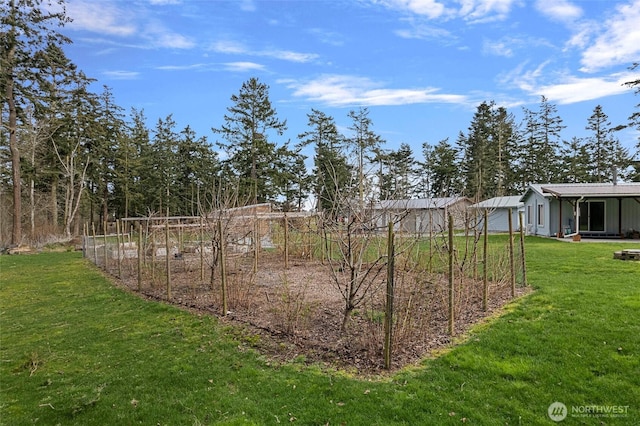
(445, 166)
(108, 133)
(634, 121)
(364, 140)
(331, 173)
(575, 162)
(608, 157)
(196, 168)
(74, 143)
(540, 150)
(26, 30)
(399, 181)
(380, 158)
(161, 169)
(292, 181)
(132, 148)
(426, 171)
(247, 130)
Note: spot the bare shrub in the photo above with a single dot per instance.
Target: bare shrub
(291, 308)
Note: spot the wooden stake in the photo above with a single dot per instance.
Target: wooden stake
(522, 253)
(451, 283)
(511, 258)
(286, 242)
(168, 257)
(201, 244)
(95, 246)
(223, 268)
(104, 228)
(485, 282)
(153, 256)
(140, 254)
(119, 253)
(388, 317)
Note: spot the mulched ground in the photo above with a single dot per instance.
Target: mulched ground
(297, 312)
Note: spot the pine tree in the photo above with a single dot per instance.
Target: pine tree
(331, 173)
(132, 148)
(247, 129)
(540, 145)
(607, 156)
(399, 181)
(26, 30)
(634, 121)
(576, 161)
(196, 167)
(363, 142)
(445, 166)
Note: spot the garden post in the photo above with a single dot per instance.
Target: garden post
(388, 317)
(512, 268)
(451, 283)
(522, 253)
(485, 282)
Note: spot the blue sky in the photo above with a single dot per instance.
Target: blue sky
(420, 66)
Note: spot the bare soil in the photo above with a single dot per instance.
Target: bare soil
(296, 313)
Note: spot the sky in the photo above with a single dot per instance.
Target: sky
(421, 67)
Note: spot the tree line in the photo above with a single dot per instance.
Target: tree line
(70, 155)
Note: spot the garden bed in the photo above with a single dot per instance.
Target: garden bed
(296, 313)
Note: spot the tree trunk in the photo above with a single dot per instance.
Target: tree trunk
(54, 203)
(16, 232)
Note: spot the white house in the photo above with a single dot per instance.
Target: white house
(593, 210)
(498, 209)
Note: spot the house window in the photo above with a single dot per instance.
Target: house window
(529, 215)
(540, 214)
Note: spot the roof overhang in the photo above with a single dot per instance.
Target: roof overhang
(593, 191)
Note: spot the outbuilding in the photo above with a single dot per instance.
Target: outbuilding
(498, 211)
(422, 215)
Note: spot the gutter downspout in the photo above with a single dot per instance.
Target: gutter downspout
(577, 218)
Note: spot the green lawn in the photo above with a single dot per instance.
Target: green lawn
(76, 350)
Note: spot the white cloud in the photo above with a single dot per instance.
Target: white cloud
(432, 9)
(327, 37)
(243, 66)
(422, 31)
(575, 89)
(228, 46)
(164, 2)
(564, 88)
(172, 40)
(509, 45)
(235, 48)
(559, 10)
(121, 75)
(475, 11)
(287, 55)
(100, 17)
(524, 80)
(479, 11)
(619, 43)
(497, 48)
(181, 67)
(343, 90)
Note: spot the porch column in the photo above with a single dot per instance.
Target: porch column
(560, 234)
(620, 218)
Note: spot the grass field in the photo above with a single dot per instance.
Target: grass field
(74, 349)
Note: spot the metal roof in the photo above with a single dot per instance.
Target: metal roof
(577, 190)
(500, 203)
(418, 204)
